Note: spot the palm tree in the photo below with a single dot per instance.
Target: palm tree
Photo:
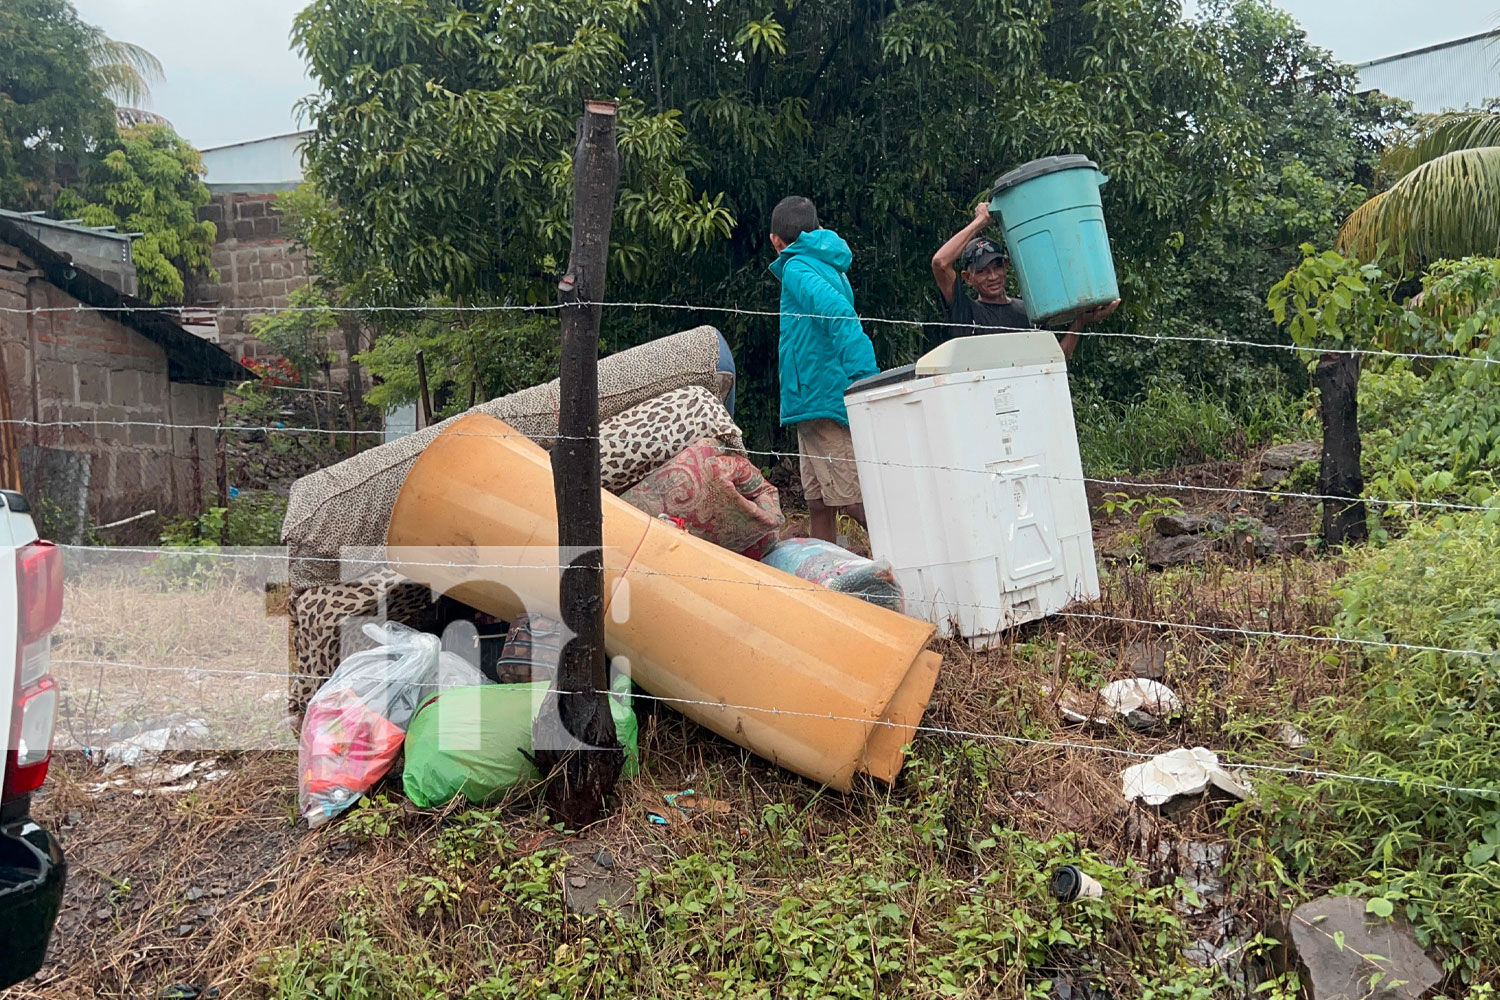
(1445, 199)
(126, 70)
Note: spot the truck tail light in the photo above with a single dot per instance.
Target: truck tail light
(39, 588)
(39, 593)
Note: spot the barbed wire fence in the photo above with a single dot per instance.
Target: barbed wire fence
(1234, 633)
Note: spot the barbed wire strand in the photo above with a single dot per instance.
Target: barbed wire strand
(1226, 759)
(761, 313)
(1270, 491)
(212, 552)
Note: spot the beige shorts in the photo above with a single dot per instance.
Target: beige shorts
(826, 461)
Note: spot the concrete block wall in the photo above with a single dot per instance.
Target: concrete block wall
(258, 269)
(84, 368)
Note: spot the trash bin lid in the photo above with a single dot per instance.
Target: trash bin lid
(903, 374)
(1038, 168)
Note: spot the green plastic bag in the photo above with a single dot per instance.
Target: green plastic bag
(474, 741)
(626, 729)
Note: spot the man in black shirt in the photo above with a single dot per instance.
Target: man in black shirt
(985, 267)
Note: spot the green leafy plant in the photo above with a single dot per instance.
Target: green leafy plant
(1330, 300)
(300, 334)
(148, 183)
(1174, 424)
(1444, 202)
(437, 893)
(371, 818)
(1420, 718)
(253, 519)
(917, 890)
(56, 113)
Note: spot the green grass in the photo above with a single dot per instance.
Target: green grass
(1174, 424)
(917, 896)
(1415, 719)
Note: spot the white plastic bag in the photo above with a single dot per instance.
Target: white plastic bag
(356, 722)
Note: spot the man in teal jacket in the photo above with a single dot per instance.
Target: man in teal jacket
(823, 349)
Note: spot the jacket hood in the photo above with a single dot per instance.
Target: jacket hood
(823, 245)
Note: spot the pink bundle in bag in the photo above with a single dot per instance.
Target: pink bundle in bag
(719, 496)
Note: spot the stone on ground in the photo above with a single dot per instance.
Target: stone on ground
(1342, 949)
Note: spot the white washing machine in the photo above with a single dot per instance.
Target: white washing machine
(968, 461)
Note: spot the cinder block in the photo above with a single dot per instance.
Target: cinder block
(92, 382)
(126, 388)
(57, 381)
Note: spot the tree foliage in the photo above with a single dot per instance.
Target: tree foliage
(53, 110)
(1446, 207)
(1431, 136)
(61, 152)
(299, 334)
(149, 183)
(444, 133)
(896, 117)
(125, 69)
(1317, 147)
(1444, 194)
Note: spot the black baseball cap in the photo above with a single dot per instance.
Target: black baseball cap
(980, 251)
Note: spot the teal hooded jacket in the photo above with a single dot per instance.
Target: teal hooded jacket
(821, 356)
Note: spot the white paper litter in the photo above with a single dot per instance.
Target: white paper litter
(1139, 694)
(158, 774)
(1180, 772)
(160, 778)
(145, 747)
(1141, 702)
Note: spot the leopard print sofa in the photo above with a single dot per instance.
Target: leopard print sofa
(326, 620)
(347, 507)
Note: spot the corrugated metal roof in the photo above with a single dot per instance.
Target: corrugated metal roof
(189, 358)
(1463, 73)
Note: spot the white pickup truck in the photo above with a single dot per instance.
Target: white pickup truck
(32, 869)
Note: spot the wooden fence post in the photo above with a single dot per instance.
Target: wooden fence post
(197, 461)
(221, 472)
(582, 777)
(1337, 379)
(425, 403)
(353, 405)
(10, 454)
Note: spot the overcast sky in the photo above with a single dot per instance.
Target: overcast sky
(231, 74)
(230, 70)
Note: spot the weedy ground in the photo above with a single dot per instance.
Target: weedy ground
(935, 887)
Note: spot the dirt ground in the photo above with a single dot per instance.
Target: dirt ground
(194, 880)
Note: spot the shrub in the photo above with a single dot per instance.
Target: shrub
(1423, 718)
(1174, 423)
(1433, 438)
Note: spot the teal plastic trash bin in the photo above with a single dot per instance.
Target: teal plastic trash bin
(1054, 228)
